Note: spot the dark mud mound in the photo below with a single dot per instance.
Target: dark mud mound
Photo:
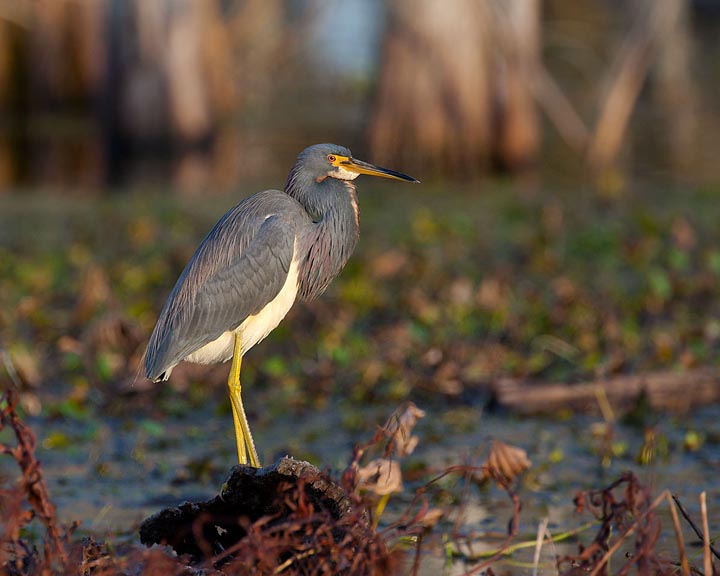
(285, 514)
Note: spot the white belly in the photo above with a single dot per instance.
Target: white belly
(255, 328)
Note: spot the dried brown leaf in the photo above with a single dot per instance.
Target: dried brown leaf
(399, 428)
(431, 517)
(505, 461)
(381, 476)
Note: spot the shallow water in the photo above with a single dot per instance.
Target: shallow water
(119, 471)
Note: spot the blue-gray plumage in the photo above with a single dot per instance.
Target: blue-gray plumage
(263, 254)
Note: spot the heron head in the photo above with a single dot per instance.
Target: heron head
(331, 160)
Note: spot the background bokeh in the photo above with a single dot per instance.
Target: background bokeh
(204, 94)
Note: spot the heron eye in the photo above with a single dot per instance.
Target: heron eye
(331, 158)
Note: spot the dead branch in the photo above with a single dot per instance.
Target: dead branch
(671, 391)
(31, 487)
(698, 531)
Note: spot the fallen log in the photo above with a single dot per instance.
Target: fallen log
(667, 391)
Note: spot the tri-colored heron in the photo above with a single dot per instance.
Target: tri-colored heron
(271, 249)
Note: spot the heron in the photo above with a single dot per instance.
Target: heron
(271, 249)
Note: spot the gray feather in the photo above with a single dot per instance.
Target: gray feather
(239, 267)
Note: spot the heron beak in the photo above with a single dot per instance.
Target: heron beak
(360, 167)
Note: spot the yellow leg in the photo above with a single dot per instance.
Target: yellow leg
(380, 508)
(243, 437)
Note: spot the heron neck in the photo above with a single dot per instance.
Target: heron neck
(326, 245)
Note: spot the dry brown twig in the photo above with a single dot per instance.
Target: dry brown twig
(383, 476)
(707, 558)
(541, 533)
(512, 529)
(692, 524)
(622, 518)
(678, 534)
(31, 488)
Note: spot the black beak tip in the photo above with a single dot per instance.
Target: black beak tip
(407, 178)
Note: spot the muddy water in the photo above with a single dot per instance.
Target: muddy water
(110, 473)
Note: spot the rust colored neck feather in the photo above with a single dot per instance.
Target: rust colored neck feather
(327, 245)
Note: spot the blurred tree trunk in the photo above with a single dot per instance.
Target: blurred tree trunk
(261, 36)
(51, 53)
(67, 51)
(454, 88)
(659, 42)
(676, 92)
(13, 102)
(188, 89)
(519, 37)
(176, 62)
(160, 74)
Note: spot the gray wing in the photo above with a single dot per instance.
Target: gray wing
(239, 267)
